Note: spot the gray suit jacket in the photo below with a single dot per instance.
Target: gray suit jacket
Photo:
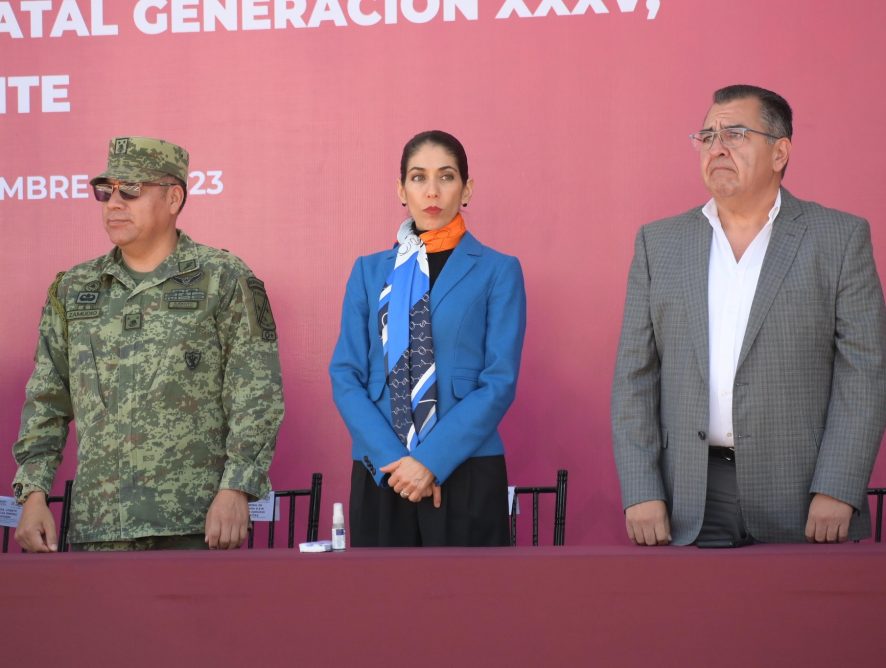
(809, 400)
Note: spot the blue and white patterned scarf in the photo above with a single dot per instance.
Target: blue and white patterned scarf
(404, 322)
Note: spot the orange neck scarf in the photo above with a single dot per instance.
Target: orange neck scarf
(446, 237)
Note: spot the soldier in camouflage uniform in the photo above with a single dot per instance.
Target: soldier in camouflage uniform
(164, 352)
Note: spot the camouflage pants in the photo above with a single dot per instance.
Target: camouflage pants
(189, 542)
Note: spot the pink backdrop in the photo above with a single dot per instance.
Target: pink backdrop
(576, 131)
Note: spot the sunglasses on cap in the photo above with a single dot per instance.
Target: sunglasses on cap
(128, 190)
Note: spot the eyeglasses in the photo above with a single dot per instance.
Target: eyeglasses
(729, 137)
(103, 191)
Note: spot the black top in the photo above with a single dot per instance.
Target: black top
(436, 262)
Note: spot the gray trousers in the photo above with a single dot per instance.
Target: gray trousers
(723, 524)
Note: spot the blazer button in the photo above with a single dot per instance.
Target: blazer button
(702, 435)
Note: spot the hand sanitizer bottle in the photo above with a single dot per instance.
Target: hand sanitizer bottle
(338, 527)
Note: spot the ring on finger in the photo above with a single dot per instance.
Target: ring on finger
(404, 494)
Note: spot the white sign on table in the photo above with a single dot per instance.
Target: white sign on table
(266, 509)
(10, 512)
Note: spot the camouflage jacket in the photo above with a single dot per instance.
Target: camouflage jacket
(174, 384)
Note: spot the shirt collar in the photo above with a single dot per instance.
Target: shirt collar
(183, 259)
(710, 212)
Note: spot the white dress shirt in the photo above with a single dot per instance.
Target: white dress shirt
(731, 288)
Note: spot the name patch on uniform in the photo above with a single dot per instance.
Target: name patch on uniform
(77, 314)
(183, 305)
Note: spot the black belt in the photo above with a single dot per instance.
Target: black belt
(720, 452)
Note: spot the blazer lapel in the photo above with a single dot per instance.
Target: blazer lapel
(787, 232)
(381, 272)
(462, 260)
(696, 262)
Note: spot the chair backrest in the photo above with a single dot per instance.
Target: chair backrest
(878, 517)
(559, 509)
(65, 517)
(65, 500)
(313, 523)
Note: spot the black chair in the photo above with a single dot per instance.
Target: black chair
(313, 523)
(879, 492)
(65, 500)
(5, 540)
(559, 509)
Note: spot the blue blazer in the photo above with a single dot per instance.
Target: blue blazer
(478, 318)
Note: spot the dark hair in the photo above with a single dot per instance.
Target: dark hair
(443, 139)
(774, 109)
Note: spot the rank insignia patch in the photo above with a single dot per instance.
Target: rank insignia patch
(192, 358)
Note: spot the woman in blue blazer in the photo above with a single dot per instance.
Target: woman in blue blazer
(426, 366)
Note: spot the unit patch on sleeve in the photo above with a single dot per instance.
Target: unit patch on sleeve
(261, 320)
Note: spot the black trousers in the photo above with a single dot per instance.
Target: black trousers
(723, 524)
(474, 512)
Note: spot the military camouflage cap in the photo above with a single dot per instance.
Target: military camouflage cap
(144, 159)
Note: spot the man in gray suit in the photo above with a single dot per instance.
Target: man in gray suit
(749, 398)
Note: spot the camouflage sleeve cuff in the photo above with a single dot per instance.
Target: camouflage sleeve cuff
(32, 477)
(245, 476)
